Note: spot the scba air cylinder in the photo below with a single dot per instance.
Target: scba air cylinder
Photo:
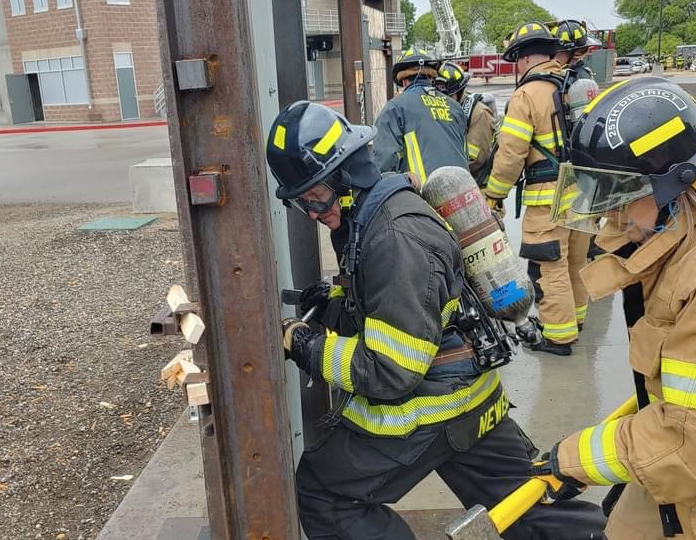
(492, 268)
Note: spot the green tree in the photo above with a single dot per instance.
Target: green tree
(629, 36)
(424, 29)
(409, 11)
(678, 19)
(669, 44)
(486, 21)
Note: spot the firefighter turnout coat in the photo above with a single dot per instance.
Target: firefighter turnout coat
(556, 254)
(480, 135)
(420, 130)
(655, 449)
(409, 281)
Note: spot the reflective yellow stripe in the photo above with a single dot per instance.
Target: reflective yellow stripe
(517, 128)
(336, 292)
(545, 197)
(560, 331)
(450, 307)
(407, 351)
(400, 420)
(473, 150)
(497, 187)
(328, 141)
(279, 138)
(415, 161)
(549, 140)
(658, 136)
(679, 382)
(581, 313)
(601, 96)
(336, 361)
(598, 455)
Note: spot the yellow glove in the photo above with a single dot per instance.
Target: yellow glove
(496, 206)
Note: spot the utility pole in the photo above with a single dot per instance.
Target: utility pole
(217, 143)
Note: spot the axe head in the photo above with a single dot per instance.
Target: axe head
(290, 297)
(475, 524)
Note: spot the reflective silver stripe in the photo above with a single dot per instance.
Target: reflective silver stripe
(597, 445)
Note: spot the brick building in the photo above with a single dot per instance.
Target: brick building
(93, 60)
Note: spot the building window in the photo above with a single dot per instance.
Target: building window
(17, 7)
(118, 2)
(63, 4)
(62, 80)
(40, 6)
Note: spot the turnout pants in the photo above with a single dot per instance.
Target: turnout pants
(345, 482)
(555, 255)
(636, 517)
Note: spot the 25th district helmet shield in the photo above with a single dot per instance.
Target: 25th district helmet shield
(636, 139)
(307, 143)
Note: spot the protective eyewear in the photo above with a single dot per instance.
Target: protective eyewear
(315, 206)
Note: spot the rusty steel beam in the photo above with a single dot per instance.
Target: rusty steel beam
(245, 431)
(351, 30)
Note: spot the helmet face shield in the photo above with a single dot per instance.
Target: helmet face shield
(586, 197)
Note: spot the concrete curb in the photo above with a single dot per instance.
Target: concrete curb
(81, 127)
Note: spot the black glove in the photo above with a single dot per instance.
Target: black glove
(316, 295)
(298, 340)
(561, 487)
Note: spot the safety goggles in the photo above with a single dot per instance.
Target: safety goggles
(587, 199)
(316, 206)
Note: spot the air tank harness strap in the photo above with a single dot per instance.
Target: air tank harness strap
(542, 171)
(373, 201)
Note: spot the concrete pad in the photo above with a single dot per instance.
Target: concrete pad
(152, 186)
(171, 487)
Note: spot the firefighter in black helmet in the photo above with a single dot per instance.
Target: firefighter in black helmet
(452, 80)
(633, 181)
(531, 142)
(575, 43)
(412, 400)
(420, 129)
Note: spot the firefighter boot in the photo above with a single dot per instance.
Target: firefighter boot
(546, 345)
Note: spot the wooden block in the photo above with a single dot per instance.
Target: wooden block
(173, 367)
(176, 297)
(192, 327)
(197, 394)
(171, 382)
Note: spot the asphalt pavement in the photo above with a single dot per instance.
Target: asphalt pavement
(75, 167)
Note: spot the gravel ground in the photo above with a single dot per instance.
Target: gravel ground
(80, 396)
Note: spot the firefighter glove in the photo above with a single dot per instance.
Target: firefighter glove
(496, 206)
(298, 340)
(316, 295)
(560, 487)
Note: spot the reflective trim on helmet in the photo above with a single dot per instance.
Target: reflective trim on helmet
(328, 141)
(604, 94)
(658, 136)
(517, 128)
(413, 155)
(279, 137)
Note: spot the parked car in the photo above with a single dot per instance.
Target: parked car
(623, 66)
(638, 66)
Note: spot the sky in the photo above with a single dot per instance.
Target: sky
(597, 13)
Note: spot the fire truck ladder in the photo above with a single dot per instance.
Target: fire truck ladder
(449, 45)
